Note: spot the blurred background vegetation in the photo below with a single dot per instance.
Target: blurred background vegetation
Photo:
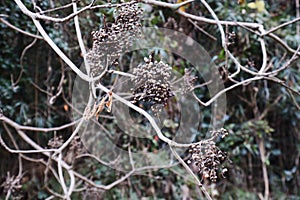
(262, 115)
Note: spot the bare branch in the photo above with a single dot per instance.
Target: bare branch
(281, 26)
(21, 61)
(172, 6)
(66, 143)
(188, 169)
(60, 20)
(61, 177)
(107, 187)
(50, 42)
(16, 146)
(56, 9)
(212, 99)
(282, 43)
(150, 119)
(20, 30)
(36, 129)
(202, 30)
(24, 151)
(213, 21)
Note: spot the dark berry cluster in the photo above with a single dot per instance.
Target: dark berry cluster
(208, 158)
(113, 38)
(151, 82)
(128, 17)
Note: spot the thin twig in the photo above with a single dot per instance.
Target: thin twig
(20, 30)
(16, 146)
(104, 187)
(23, 151)
(264, 51)
(21, 61)
(121, 73)
(262, 153)
(150, 119)
(188, 169)
(79, 37)
(225, 90)
(213, 21)
(173, 6)
(59, 19)
(56, 9)
(46, 152)
(283, 44)
(202, 30)
(294, 57)
(60, 85)
(66, 143)
(40, 89)
(36, 129)
(51, 43)
(281, 26)
(61, 176)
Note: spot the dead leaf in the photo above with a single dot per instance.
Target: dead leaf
(109, 102)
(100, 107)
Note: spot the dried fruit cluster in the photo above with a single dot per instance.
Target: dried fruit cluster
(128, 17)
(208, 158)
(111, 40)
(76, 148)
(13, 186)
(55, 142)
(152, 82)
(189, 80)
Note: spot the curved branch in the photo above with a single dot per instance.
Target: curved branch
(281, 25)
(226, 89)
(188, 169)
(31, 128)
(150, 119)
(50, 42)
(60, 20)
(173, 6)
(21, 62)
(283, 44)
(212, 21)
(20, 30)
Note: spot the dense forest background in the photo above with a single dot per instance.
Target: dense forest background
(262, 148)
